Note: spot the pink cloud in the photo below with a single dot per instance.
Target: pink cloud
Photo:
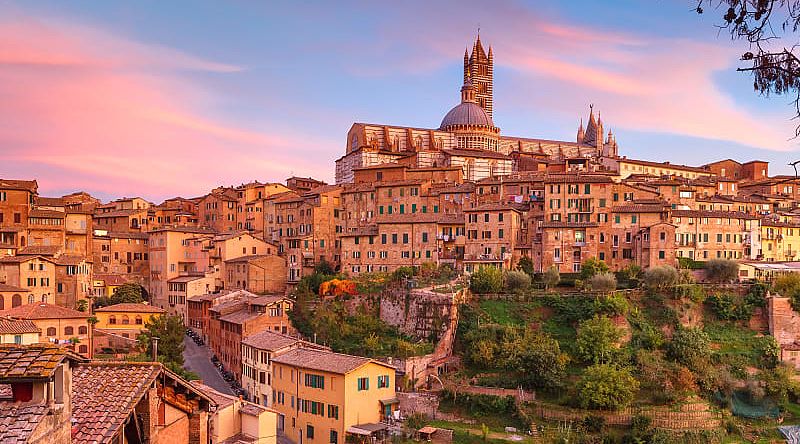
(82, 108)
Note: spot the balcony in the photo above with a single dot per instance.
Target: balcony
(585, 209)
(579, 244)
(790, 253)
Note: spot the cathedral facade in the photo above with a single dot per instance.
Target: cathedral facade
(468, 138)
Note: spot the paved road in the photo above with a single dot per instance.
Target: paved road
(198, 359)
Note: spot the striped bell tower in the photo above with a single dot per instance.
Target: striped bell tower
(479, 69)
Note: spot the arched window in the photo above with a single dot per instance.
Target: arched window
(51, 331)
(112, 319)
(44, 298)
(22, 241)
(138, 320)
(16, 301)
(125, 320)
(69, 331)
(83, 349)
(31, 299)
(82, 330)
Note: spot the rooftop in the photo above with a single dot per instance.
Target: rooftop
(104, 394)
(322, 360)
(130, 308)
(31, 362)
(17, 326)
(269, 340)
(41, 310)
(17, 422)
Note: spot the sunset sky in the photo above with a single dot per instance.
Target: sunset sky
(159, 99)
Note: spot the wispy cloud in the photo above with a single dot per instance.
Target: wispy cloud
(80, 107)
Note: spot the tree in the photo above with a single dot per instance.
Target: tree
(324, 267)
(604, 282)
(537, 359)
(607, 387)
(722, 270)
(82, 305)
(517, 280)
(486, 280)
(690, 347)
(591, 267)
(788, 285)
(660, 277)
(774, 65)
(130, 293)
(597, 340)
(170, 331)
(551, 277)
(525, 265)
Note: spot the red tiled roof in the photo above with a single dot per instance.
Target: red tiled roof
(111, 279)
(24, 185)
(40, 310)
(712, 213)
(577, 178)
(17, 326)
(675, 166)
(130, 308)
(17, 422)
(43, 250)
(269, 340)
(639, 208)
(31, 362)
(11, 288)
(409, 218)
(558, 224)
(322, 360)
(105, 394)
(46, 214)
(476, 153)
(498, 207)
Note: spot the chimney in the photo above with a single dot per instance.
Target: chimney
(154, 340)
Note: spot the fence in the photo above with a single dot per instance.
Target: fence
(519, 394)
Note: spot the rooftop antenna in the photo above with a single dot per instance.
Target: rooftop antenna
(794, 164)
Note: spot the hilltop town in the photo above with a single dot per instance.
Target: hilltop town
(364, 310)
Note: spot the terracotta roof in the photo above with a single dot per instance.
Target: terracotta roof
(397, 183)
(184, 279)
(11, 288)
(776, 223)
(269, 340)
(111, 279)
(40, 310)
(248, 408)
(675, 166)
(381, 166)
(119, 213)
(24, 185)
(43, 250)
(17, 422)
(104, 395)
(451, 219)
(184, 230)
(131, 307)
(46, 214)
(577, 178)
(247, 258)
(17, 326)
(409, 218)
(21, 258)
(70, 259)
(639, 208)
(712, 213)
(466, 187)
(31, 362)
(323, 360)
(239, 317)
(557, 224)
(476, 153)
(322, 189)
(289, 198)
(221, 399)
(124, 235)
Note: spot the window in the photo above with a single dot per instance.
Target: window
(383, 381)
(309, 431)
(661, 254)
(69, 331)
(112, 319)
(82, 330)
(51, 331)
(334, 437)
(315, 381)
(363, 384)
(333, 411)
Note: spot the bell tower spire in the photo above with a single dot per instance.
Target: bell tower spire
(480, 67)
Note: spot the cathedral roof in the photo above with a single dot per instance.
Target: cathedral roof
(467, 113)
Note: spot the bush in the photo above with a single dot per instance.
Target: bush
(525, 264)
(517, 280)
(611, 305)
(403, 273)
(606, 387)
(661, 277)
(729, 307)
(591, 267)
(722, 270)
(597, 339)
(602, 282)
(551, 277)
(788, 286)
(486, 280)
(537, 358)
(690, 347)
(594, 423)
(631, 272)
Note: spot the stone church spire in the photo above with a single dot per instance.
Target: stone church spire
(581, 133)
(480, 67)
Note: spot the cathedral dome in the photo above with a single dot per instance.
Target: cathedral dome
(467, 113)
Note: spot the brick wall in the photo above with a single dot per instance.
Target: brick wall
(784, 323)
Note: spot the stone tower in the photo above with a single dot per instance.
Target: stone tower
(479, 68)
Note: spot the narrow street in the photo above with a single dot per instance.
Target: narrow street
(198, 359)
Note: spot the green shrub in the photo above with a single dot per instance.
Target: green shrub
(525, 265)
(517, 280)
(729, 307)
(722, 270)
(690, 347)
(660, 277)
(604, 281)
(551, 277)
(597, 339)
(591, 267)
(403, 273)
(486, 280)
(606, 387)
(611, 305)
